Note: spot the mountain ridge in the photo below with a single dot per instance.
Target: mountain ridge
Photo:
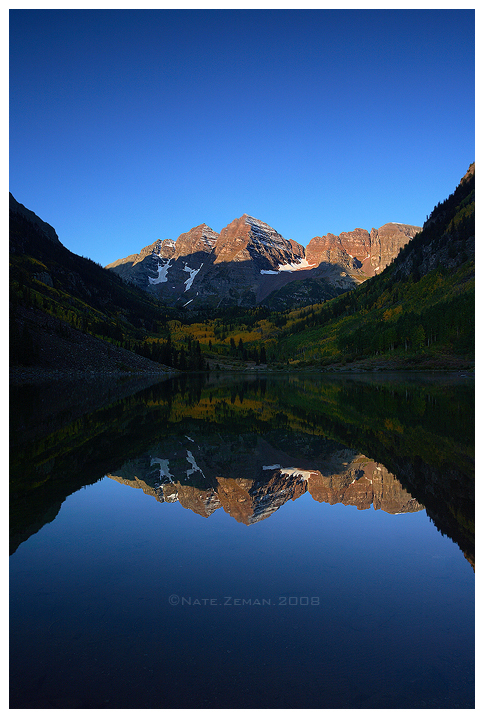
(252, 254)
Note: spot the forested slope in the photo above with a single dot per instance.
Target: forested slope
(60, 301)
(420, 310)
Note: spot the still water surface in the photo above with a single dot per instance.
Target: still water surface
(243, 542)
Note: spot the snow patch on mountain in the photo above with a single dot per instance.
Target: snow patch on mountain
(164, 472)
(193, 274)
(292, 471)
(162, 273)
(290, 267)
(195, 468)
(295, 266)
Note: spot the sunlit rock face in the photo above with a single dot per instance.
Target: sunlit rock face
(249, 260)
(386, 242)
(136, 483)
(199, 239)
(361, 252)
(247, 238)
(340, 249)
(240, 266)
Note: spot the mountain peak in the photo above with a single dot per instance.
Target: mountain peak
(198, 239)
(253, 221)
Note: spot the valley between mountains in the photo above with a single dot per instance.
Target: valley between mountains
(396, 297)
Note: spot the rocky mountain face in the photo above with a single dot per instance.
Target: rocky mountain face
(239, 479)
(362, 253)
(364, 484)
(248, 238)
(249, 261)
(386, 243)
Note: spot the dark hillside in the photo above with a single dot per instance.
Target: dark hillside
(447, 237)
(65, 308)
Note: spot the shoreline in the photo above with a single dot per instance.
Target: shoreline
(31, 375)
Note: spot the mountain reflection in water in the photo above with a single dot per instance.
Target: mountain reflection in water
(252, 491)
(249, 444)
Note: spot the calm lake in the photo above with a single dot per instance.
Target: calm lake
(220, 541)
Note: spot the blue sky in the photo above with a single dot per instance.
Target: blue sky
(129, 126)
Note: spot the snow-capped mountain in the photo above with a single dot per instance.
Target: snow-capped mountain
(249, 260)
